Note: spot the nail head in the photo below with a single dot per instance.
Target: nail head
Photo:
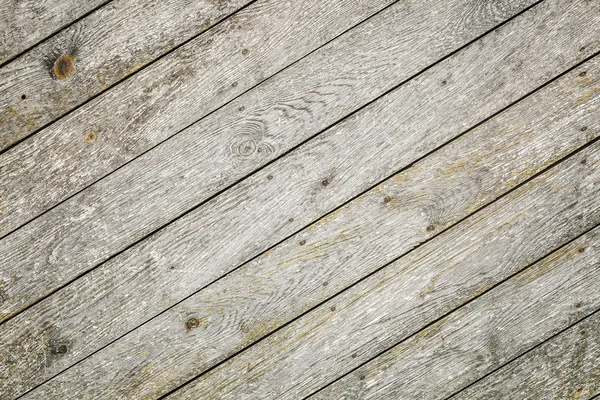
(63, 66)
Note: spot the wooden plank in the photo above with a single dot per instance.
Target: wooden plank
(99, 51)
(396, 302)
(158, 101)
(280, 285)
(115, 212)
(496, 327)
(162, 251)
(48, 168)
(565, 367)
(24, 23)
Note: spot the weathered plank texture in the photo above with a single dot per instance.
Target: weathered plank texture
(164, 98)
(396, 302)
(280, 285)
(98, 51)
(485, 334)
(166, 182)
(187, 245)
(565, 367)
(23, 23)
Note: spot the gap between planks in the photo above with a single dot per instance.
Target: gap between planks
(82, 164)
(523, 361)
(85, 255)
(28, 41)
(453, 152)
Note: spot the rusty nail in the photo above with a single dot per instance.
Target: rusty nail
(90, 137)
(584, 73)
(387, 199)
(192, 323)
(431, 228)
(325, 182)
(583, 128)
(245, 51)
(63, 66)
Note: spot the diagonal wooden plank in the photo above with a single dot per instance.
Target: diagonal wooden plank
(137, 200)
(94, 53)
(565, 367)
(483, 335)
(398, 301)
(252, 301)
(116, 41)
(25, 23)
(158, 101)
(66, 314)
(58, 163)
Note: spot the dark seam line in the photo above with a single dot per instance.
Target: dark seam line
(288, 237)
(125, 78)
(293, 234)
(393, 261)
(198, 121)
(56, 32)
(211, 197)
(457, 309)
(270, 162)
(524, 353)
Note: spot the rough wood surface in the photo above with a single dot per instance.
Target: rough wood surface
(398, 301)
(101, 49)
(25, 23)
(107, 217)
(485, 334)
(159, 101)
(565, 367)
(287, 281)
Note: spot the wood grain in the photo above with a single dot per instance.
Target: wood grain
(320, 261)
(163, 184)
(565, 367)
(108, 45)
(496, 327)
(25, 23)
(155, 103)
(399, 300)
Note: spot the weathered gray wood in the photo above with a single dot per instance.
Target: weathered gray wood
(278, 286)
(25, 23)
(396, 302)
(171, 285)
(565, 367)
(158, 101)
(485, 334)
(124, 207)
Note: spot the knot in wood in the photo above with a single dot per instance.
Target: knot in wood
(63, 66)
